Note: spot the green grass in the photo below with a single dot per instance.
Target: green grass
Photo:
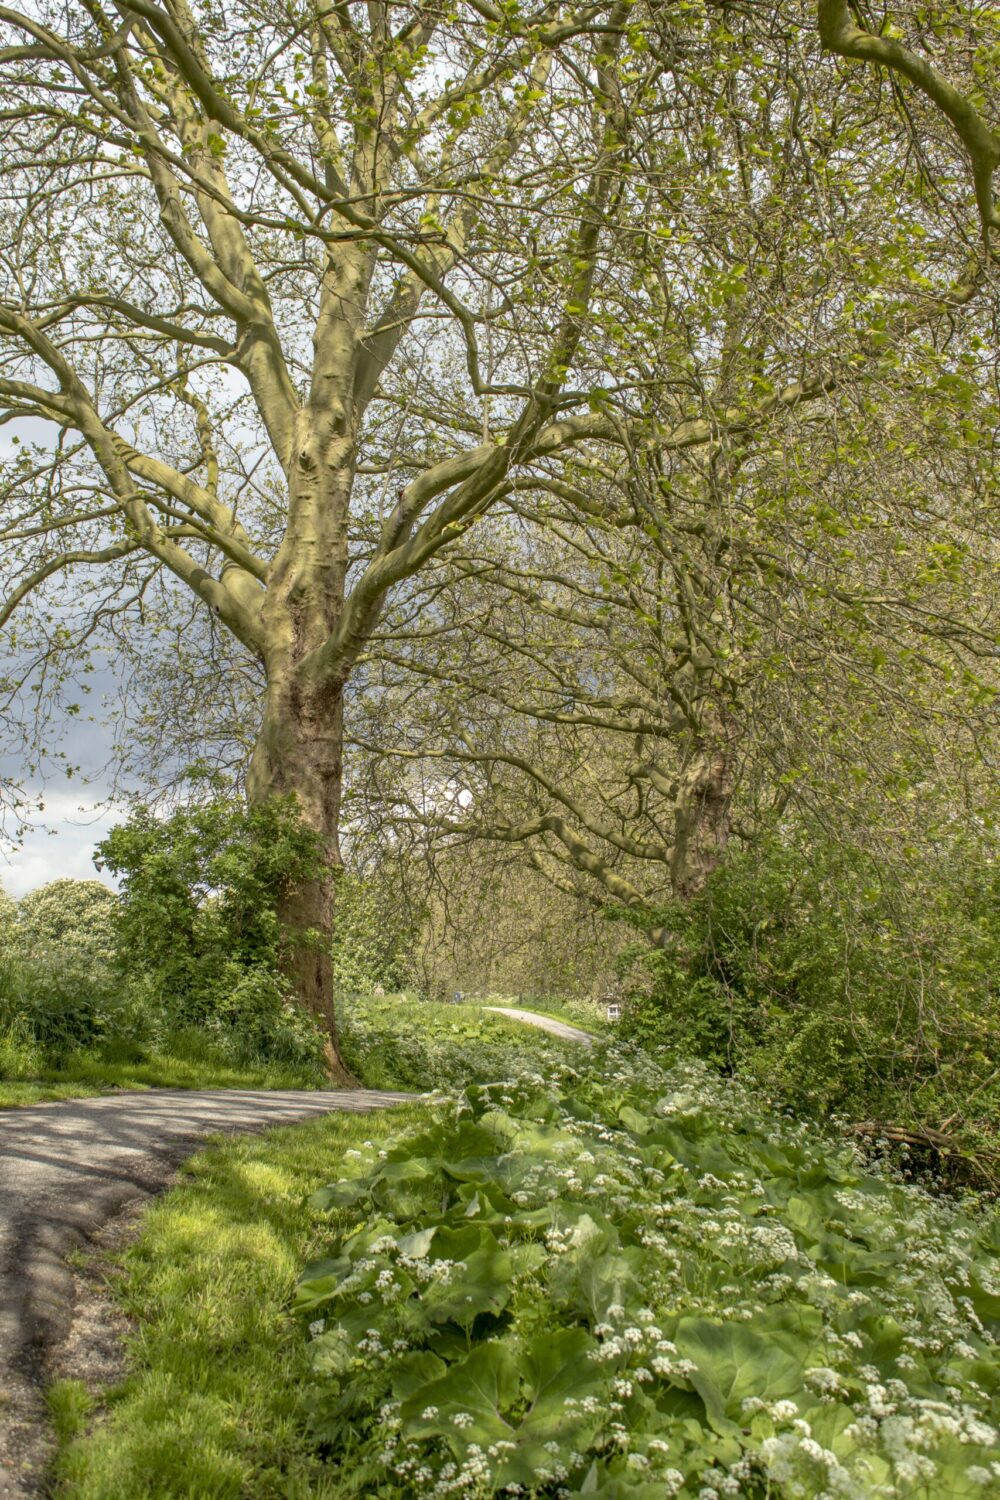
(213, 1406)
(70, 1406)
(83, 1075)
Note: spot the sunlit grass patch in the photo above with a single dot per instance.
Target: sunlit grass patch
(213, 1406)
(69, 1404)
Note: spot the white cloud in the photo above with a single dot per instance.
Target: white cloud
(60, 845)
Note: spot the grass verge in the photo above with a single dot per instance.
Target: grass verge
(212, 1407)
(84, 1075)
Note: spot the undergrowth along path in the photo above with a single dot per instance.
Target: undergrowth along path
(65, 1169)
(561, 1029)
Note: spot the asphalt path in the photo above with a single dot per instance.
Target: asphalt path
(561, 1029)
(69, 1167)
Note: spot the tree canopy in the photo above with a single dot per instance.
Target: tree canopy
(651, 342)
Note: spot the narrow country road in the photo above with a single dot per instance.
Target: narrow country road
(66, 1169)
(561, 1029)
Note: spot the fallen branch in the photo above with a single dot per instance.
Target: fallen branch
(985, 1164)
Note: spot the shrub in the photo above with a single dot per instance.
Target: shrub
(57, 989)
(836, 985)
(76, 916)
(66, 1004)
(8, 924)
(259, 1021)
(198, 935)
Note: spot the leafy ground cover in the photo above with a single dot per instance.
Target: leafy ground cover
(594, 1277)
(633, 1283)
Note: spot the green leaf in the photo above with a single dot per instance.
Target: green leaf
(733, 1362)
(483, 1286)
(482, 1387)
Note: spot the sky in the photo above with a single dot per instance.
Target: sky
(75, 815)
(68, 817)
(61, 844)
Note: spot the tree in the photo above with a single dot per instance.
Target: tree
(300, 295)
(798, 609)
(824, 646)
(76, 916)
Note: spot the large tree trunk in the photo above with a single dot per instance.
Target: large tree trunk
(701, 815)
(300, 752)
(301, 746)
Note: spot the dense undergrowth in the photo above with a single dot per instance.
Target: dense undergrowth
(836, 983)
(634, 1283)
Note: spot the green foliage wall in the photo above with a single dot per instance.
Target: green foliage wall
(373, 935)
(837, 983)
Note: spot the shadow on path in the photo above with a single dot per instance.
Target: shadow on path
(68, 1167)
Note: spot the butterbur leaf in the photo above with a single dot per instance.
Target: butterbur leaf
(482, 1287)
(415, 1371)
(343, 1194)
(639, 1124)
(319, 1283)
(733, 1362)
(558, 1369)
(417, 1244)
(591, 1279)
(333, 1352)
(479, 1388)
(985, 1301)
(795, 1327)
(471, 1169)
(557, 1378)
(801, 1214)
(310, 1295)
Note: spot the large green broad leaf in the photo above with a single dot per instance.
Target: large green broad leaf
(466, 1405)
(733, 1362)
(559, 1374)
(483, 1286)
(471, 1404)
(588, 1279)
